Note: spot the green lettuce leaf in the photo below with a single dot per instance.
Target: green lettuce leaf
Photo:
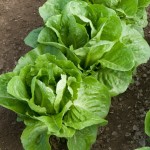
(120, 58)
(32, 55)
(83, 139)
(128, 7)
(43, 96)
(7, 100)
(60, 89)
(116, 81)
(52, 7)
(134, 41)
(147, 123)
(91, 105)
(35, 137)
(31, 39)
(143, 3)
(17, 88)
(91, 55)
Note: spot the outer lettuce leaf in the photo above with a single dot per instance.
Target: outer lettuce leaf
(134, 41)
(147, 123)
(128, 7)
(47, 36)
(116, 81)
(143, 3)
(115, 33)
(17, 88)
(35, 137)
(8, 101)
(52, 7)
(91, 105)
(120, 58)
(83, 139)
(31, 39)
(54, 23)
(140, 20)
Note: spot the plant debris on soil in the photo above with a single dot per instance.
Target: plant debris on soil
(125, 130)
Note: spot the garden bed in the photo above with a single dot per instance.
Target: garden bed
(125, 130)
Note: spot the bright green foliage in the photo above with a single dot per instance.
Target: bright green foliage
(86, 52)
(147, 123)
(83, 139)
(31, 40)
(35, 137)
(130, 11)
(100, 42)
(51, 96)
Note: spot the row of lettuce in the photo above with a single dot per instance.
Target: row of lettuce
(86, 52)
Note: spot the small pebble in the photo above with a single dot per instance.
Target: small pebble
(128, 134)
(114, 133)
(135, 128)
(142, 142)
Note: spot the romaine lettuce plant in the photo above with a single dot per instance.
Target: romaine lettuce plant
(51, 96)
(95, 38)
(86, 52)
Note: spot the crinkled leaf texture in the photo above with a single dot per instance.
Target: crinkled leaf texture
(116, 81)
(91, 105)
(134, 41)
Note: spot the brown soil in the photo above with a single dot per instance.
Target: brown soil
(125, 130)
